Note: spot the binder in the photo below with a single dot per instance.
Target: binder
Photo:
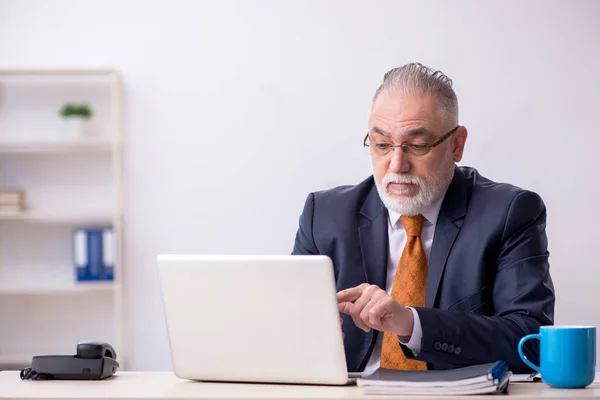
(80, 254)
(108, 255)
(94, 242)
(93, 253)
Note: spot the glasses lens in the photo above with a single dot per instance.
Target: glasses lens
(381, 147)
(418, 149)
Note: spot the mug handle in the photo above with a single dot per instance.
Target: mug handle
(520, 349)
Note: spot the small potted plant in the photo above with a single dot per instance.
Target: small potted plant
(75, 116)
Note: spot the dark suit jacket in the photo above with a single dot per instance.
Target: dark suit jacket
(488, 281)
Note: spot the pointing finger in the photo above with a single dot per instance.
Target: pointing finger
(351, 294)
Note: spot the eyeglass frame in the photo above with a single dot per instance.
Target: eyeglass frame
(404, 146)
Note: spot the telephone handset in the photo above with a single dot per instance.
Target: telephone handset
(91, 349)
(93, 360)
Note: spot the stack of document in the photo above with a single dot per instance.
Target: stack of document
(11, 200)
(475, 379)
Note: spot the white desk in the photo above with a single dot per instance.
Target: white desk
(165, 385)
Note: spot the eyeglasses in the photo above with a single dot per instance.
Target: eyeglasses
(383, 147)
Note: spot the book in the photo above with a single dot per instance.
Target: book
(12, 201)
(11, 208)
(11, 196)
(475, 379)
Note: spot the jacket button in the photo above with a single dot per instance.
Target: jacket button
(451, 349)
(457, 350)
(445, 347)
(437, 345)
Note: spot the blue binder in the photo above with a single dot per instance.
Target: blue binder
(93, 254)
(80, 254)
(108, 255)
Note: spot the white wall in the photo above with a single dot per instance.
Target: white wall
(237, 109)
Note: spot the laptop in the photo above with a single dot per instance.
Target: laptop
(253, 318)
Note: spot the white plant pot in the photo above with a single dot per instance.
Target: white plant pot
(74, 127)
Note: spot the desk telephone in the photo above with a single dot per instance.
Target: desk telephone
(93, 360)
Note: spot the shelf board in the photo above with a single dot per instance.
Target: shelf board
(56, 218)
(58, 76)
(57, 71)
(57, 146)
(73, 288)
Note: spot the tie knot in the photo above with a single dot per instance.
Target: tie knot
(413, 225)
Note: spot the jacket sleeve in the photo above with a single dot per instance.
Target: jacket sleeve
(523, 300)
(304, 243)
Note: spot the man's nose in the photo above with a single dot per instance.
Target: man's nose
(399, 163)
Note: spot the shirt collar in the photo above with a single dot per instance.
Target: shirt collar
(431, 214)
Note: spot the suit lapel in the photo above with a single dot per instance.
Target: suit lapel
(373, 236)
(452, 212)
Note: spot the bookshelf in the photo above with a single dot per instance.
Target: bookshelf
(67, 181)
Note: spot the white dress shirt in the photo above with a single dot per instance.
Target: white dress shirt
(397, 240)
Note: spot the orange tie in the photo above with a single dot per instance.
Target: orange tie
(409, 290)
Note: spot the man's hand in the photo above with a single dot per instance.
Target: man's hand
(372, 308)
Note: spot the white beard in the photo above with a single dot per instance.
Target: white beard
(426, 196)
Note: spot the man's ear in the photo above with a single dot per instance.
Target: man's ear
(458, 143)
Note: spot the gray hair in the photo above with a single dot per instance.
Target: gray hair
(415, 78)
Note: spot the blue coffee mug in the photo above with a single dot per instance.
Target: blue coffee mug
(567, 355)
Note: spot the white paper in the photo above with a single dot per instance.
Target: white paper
(524, 377)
